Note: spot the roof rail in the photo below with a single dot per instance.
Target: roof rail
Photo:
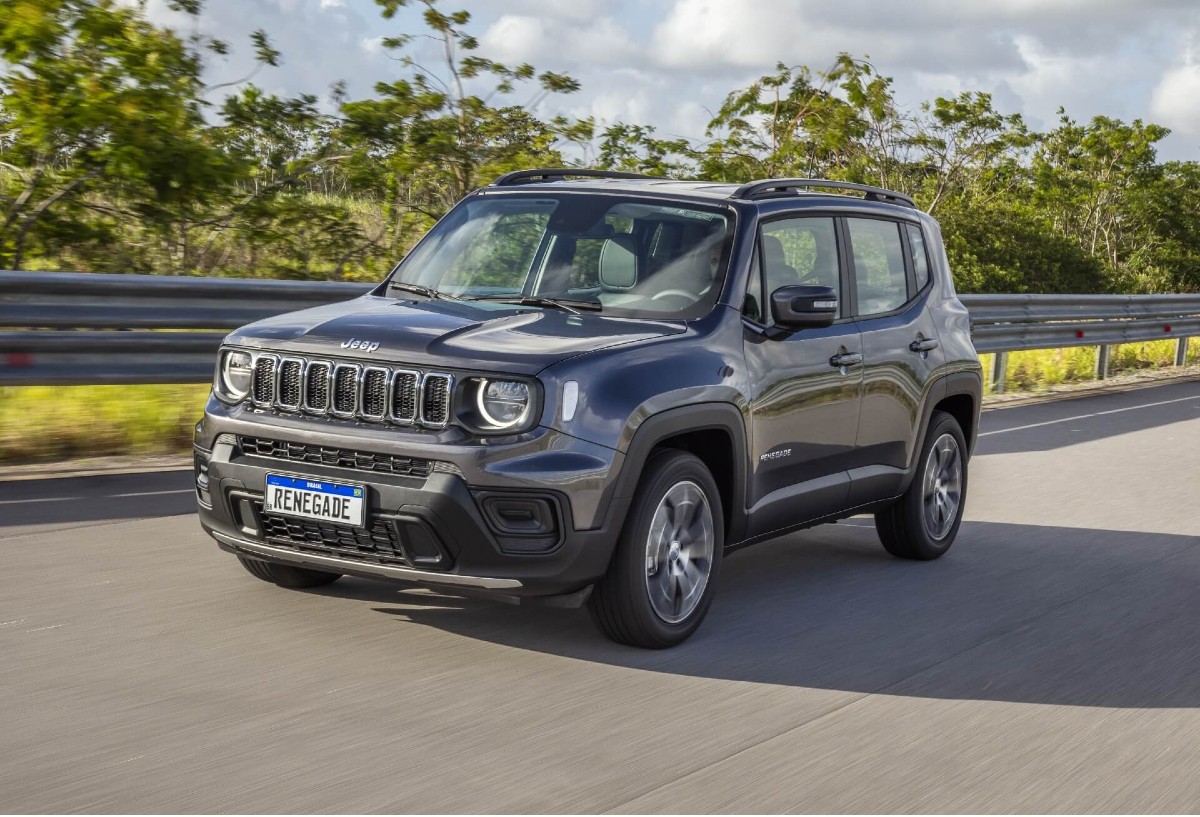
(773, 187)
(558, 174)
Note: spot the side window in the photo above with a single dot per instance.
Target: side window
(920, 258)
(879, 278)
(798, 251)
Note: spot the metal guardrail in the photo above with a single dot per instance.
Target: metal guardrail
(63, 328)
(1012, 323)
(60, 328)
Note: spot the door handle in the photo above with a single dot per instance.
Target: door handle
(845, 359)
(923, 345)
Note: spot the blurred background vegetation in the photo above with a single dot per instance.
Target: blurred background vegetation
(116, 157)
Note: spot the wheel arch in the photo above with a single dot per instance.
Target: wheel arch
(960, 395)
(713, 432)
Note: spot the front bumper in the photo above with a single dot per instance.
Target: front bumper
(451, 524)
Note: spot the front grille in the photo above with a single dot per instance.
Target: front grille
(264, 380)
(378, 543)
(375, 394)
(435, 400)
(290, 372)
(336, 457)
(316, 388)
(345, 390)
(405, 386)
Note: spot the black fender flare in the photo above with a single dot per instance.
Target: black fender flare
(969, 383)
(659, 427)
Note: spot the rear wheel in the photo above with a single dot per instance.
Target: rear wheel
(296, 578)
(924, 521)
(663, 574)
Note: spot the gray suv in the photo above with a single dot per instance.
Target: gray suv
(588, 387)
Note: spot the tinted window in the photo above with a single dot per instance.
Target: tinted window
(879, 276)
(632, 256)
(920, 257)
(799, 251)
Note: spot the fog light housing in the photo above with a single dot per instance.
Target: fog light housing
(523, 523)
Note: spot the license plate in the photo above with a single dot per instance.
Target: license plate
(315, 499)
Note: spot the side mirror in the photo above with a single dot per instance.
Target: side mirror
(803, 307)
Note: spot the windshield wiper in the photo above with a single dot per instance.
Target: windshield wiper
(568, 304)
(428, 292)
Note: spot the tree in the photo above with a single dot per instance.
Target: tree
(841, 123)
(435, 136)
(968, 149)
(1086, 175)
(96, 97)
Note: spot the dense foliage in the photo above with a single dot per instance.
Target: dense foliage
(115, 156)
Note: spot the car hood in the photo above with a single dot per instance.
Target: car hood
(451, 334)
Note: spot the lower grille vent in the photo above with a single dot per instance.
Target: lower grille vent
(337, 457)
(378, 543)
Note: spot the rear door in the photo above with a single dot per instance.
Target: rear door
(804, 406)
(890, 274)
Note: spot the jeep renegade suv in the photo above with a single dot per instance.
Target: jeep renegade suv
(585, 386)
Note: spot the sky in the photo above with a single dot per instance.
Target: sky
(670, 63)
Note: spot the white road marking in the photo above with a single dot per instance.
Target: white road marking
(40, 629)
(78, 498)
(39, 499)
(1086, 416)
(18, 621)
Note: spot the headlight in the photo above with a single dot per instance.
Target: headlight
(234, 376)
(497, 405)
(502, 403)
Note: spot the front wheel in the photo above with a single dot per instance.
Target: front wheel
(924, 521)
(662, 577)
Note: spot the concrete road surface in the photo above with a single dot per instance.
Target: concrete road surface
(1050, 662)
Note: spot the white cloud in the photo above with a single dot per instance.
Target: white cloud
(1176, 100)
(561, 42)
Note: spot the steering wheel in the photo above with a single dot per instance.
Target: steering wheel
(678, 293)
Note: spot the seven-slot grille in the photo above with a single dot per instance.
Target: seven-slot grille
(350, 391)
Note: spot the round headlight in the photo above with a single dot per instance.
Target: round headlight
(502, 403)
(233, 380)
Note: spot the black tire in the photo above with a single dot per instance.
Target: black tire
(904, 528)
(620, 603)
(257, 568)
(294, 578)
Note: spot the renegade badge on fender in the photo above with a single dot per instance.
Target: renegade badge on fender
(587, 387)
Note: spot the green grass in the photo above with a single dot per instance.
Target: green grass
(52, 423)
(1040, 369)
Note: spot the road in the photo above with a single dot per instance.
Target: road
(1050, 662)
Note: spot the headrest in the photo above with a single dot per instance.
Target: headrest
(618, 263)
(772, 249)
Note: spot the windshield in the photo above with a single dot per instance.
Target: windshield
(629, 257)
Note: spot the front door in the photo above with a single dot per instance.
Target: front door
(805, 385)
